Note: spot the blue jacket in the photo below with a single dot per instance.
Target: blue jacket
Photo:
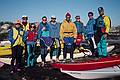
(80, 27)
(90, 26)
(55, 30)
(44, 33)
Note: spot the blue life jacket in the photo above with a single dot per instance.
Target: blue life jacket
(100, 22)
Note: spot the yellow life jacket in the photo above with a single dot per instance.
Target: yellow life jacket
(17, 37)
(25, 28)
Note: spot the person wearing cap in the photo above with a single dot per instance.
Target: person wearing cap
(30, 37)
(55, 30)
(80, 31)
(68, 34)
(25, 23)
(79, 25)
(25, 26)
(44, 39)
(90, 30)
(15, 36)
(103, 24)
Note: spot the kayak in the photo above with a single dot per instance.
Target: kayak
(92, 69)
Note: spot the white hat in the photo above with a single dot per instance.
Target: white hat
(53, 16)
(24, 16)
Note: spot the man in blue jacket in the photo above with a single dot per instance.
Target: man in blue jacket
(90, 32)
(55, 30)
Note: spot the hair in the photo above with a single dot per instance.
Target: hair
(90, 13)
(31, 25)
(44, 17)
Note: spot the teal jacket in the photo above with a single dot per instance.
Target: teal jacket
(90, 26)
(80, 27)
(55, 30)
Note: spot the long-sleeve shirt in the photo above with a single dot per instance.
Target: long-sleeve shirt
(68, 29)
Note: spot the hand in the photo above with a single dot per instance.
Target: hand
(75, 41)
(48, 48)
(105, 35)
(62, 41)
(43, 28)
(37, 44)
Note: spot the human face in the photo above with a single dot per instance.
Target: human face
(77, 19)
(32, 27)
(101, 13)
(53, 19)
(17, 25)
(44, 20)
(68, 18)
(24, 19)
(90, 16)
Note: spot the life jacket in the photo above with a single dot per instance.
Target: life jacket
(100, 23)
(79, 39)
(26, 27)
(17, 36)
(31, 35)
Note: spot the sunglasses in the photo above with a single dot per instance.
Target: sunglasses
(90, 15)
(44, 19)
(32, 26)
(53, 18)
(77, 18)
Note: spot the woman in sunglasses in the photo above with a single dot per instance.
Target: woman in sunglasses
(30, 37)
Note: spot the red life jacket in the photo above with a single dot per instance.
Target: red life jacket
(79, 39)
(31, 35)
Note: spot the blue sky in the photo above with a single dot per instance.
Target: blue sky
(35, 9)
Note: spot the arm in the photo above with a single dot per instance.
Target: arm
(74, 31)
(10, 36)
(25, 36)
(61, 31)
(107, 24)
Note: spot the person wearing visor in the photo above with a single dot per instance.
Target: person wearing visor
(103, 24)
(25, 23)
(30, 37)
(25, 26)
(44, 39)
(68, 34)
(15, 36)
(55, 30)
(90, 30)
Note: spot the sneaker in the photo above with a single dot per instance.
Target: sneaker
(64, 60)
(18, 69)
(12, 72)
(51, 61)
(42, 64)
(57, 60)
(71, 60)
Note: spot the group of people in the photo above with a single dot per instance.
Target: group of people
(47, 37)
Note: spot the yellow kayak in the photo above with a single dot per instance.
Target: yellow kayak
(5, 50)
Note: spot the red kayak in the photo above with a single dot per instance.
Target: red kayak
(89, 65)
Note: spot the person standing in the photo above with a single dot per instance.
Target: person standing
(25, 23)
(15, 36)
(44, 36)
(68, 34)
(90, 33)
(30, 37)
(25, 26)
(103, 24)
(55, 30)
(80, 31)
